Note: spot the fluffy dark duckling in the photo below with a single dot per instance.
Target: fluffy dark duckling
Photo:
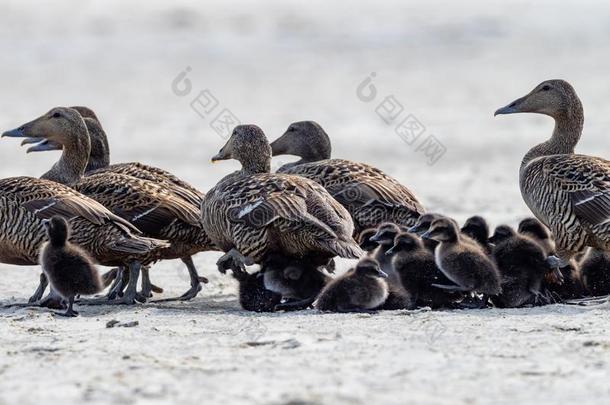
(476, 227)
(365, 242)
(423, 225)
(418, 272)
(298, 281)
(595, 270)
(464, 263)
(566, 283)
(362, 288)
(522, 264)
(253, 295)
(68, 268)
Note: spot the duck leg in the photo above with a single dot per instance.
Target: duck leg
(42, 286)
(196, 281)
(147, 286)
(52, 301)
(130, 295)
(116, 289)
(70, 312)
(233, 260)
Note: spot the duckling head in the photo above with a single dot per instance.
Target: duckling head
(476, 227)
(424, 222)
(385, 234)
(370, 268)
(364, 239)
(405, 242)
(554, 98)
(501, 233)
(57, 230)
(442, 230)
(305, 139)
(534, 227)
(59, 127)
(248, 145)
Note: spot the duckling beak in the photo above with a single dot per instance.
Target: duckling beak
(390, 251)
(425, 235)
(382, 273)
(511, 108)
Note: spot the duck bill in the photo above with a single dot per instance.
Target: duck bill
(416, 229)
(382, 274)
(512, 108)
(281, 145)
(222, 155)
(14, 133)
(426, 235)
(390, 251)
(44, 146)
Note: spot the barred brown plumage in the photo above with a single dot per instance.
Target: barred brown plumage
(371, 196)
(149, 206)
(252, 213)
(569, 193)
(25, 202)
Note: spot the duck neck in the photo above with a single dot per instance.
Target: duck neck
(99, 158)
(568, 128)
(256, 166)
(71, 165)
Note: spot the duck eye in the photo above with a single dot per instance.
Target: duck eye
(56, 115)
(291, 129)
(546, 87)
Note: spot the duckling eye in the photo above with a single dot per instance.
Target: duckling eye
(546, 87)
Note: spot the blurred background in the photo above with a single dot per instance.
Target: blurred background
(448, 64)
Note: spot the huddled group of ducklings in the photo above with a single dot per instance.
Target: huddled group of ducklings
(294, 222)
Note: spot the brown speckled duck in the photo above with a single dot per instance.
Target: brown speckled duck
(99, 162)
(569, 193)
(252, 213)
(146, 205)
(370, 196)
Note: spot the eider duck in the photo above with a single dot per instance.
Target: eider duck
(68, 268)
(25, 202)
(595, 270)
(253, 213)
(522, 265)
(569, 193)
(564, 282)
(415, 265)
(99, 161)
(146, 205)
(370, 196)
(465, 263)
(360, 289)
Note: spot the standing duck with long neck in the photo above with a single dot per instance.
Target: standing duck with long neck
(99, 162)
(371, 196)
(569, 193)
(253, 213)
(146, 205)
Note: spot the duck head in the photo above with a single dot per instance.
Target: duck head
(442, 230)
(59, 127)
(370, 268)
(248, 145)
(405, 242)
(305, 139)
(501, 233)
(57, 229)
(554, 98)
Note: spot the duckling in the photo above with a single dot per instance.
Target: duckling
(564, 282)
(298, 281)
(418, 272)
(68, 268)
(522, 264)
(595, 269)
(464, 263)
(476, 228)
(253, 295)
(365, 242)
(423, 225)
(362, 288)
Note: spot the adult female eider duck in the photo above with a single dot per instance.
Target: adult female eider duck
(370, 196)
(146, 205)
(99, 162)
(26, 202)
(569, 193)
(253, 213)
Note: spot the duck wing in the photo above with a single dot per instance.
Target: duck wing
(147, 205)
(586, 181)
(46, 198)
